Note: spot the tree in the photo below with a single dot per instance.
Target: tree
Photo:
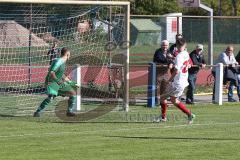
(220, 7)
(234, 7)
(154, 7)
(159, 7)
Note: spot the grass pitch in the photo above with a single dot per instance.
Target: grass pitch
(131, 136)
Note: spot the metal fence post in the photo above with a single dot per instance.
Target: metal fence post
(151, 101)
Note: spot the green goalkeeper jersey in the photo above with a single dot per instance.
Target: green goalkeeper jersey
(58, 66)
(53, 88)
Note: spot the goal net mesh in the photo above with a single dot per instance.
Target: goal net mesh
(95, 35)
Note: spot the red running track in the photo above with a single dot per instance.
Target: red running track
(99, 75)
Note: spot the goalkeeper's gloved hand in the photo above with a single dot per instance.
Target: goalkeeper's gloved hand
(74, 84)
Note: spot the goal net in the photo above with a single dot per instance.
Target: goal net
(32, 34)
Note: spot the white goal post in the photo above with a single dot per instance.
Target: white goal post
(125, 34)
(219, 84)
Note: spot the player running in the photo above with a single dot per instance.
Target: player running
(177, 83)
(59, 84)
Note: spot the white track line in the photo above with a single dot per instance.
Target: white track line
(113, 130)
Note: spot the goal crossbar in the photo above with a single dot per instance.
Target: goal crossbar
(67, 2)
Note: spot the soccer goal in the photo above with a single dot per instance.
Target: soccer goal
(31, 35)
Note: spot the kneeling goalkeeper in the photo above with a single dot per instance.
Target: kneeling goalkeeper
(57, 84)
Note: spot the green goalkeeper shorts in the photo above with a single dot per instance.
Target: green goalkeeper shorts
(61, 90)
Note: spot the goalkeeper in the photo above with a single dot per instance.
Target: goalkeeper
(57, 84)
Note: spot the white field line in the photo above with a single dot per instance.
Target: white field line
(113, 130)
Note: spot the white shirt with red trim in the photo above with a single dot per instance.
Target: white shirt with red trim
(182, 63)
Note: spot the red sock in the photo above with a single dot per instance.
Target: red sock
(183, 108)
(163, 109)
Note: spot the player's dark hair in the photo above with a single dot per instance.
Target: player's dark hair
(180, 42)
(64, 50)
(179, 35)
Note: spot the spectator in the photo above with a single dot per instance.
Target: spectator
(238, 57)
(164, 57)
(199, 62)
(238, 72)
(230, 73)
(173, 49)
(53, 53)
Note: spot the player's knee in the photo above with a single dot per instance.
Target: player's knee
(72, 93)
(163, 101)
(50, 98)
(174, 100)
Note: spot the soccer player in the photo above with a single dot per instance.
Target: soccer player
(173, 49)
(177, 83)
(59, 84)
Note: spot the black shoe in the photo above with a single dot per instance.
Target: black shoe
(36, 114)
(231, 100)
(189, 102)
(182, 98)
(70, 114)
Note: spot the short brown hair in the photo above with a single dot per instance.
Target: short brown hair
(179, 36)
(180, 42)
(64, 50)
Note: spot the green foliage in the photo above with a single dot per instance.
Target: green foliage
(159, 7)
(154, 7)
(227, 8)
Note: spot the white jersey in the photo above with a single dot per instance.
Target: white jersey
(182, 63)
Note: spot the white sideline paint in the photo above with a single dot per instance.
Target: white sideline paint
(114, 130)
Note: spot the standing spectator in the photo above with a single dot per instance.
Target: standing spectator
(230, 73)
(162, 56)
(173, 49)
(238, 73)
(238, 57)
(199, 62)
(53, 53)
